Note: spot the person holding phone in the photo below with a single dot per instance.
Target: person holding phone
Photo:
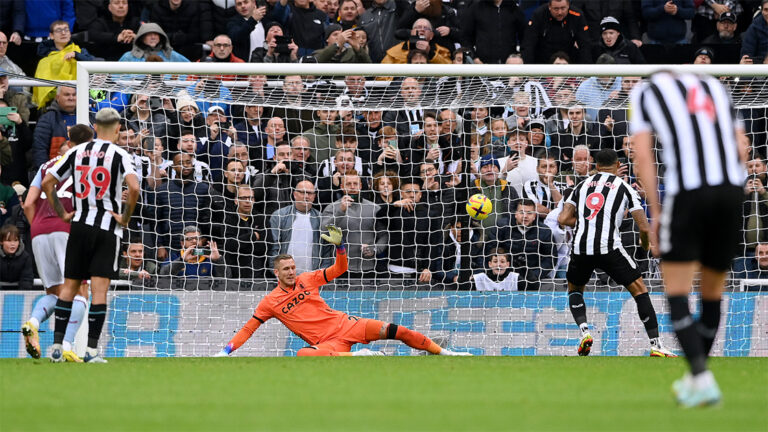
(197, 257)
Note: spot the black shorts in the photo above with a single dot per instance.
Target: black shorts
(702, 225)
(91, 252)
(616, 263)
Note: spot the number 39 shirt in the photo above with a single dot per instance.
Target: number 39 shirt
(600, 202)
(98, 169)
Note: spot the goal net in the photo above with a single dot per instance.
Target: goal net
(241, 163)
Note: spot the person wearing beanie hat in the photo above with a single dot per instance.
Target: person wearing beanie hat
(726, 31)
(613, 43)
(498, 190)
(704, 55)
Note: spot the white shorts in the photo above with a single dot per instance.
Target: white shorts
(50, 251)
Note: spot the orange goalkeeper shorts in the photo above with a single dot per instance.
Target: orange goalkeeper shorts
(352, 332)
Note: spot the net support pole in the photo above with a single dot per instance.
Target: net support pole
(83, 94)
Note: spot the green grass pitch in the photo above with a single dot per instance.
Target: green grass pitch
(374, 394)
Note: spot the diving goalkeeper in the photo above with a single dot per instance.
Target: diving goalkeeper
(297, 303)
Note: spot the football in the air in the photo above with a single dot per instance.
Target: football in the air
(479, 206)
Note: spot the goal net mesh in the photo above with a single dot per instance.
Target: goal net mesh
(238, 169)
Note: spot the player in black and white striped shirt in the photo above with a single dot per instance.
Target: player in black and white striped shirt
(699, 228)
(99, 168)
(596, 208)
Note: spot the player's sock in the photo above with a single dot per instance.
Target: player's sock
(75, 319)
(647, 315)
(43, 309)
(708, 323)
(687, 334)
(578, 310)
(63, 311)
(416, 340)
(95, 322)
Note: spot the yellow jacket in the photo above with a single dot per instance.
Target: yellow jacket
(398, 54)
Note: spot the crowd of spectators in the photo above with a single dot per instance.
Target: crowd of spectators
(227, 186)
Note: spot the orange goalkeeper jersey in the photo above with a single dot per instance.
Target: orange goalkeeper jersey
(302, 309)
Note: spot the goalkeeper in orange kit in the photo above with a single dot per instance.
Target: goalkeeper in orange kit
(296, 302)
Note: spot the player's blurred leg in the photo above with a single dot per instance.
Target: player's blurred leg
(712, 283)
(79, 304)
(96, 317)
(42, 310)
(647, 314)
(579, 311)
(63, 312)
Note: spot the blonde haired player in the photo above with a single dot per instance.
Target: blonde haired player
(296, 302)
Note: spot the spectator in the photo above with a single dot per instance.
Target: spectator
(274, 184)
(293, 93)
(295, 230)
(189, 144)
(9, 200)
(530, 243)
(364, 235)
(355, 92)
(114, 33)
(446, 261)
(537, 135)
(499, 131)
(179, 202)
(613, 43)
(726, 31)
(492, 30)
(544, 192)
(16, 266)
(51, 128)
(273, 52)
(421, 38)
(322, 136)
(239, 152)
(581, 166)
(379, 22)
(134, 266)
(143, 120)
(708, 13)
(598, 91)
(250, 131)
(197, 257)
(755, 205)
(222, 53)
(304, 22)
(349, 14)
(666, 20)
(245, 243)
(39, 18)
(439, 197)
(498, 275)
(578, 132)
(409, 120)
(330, 174)
(426, 146)
(623, 11)
(755, 39)
(6, 63)
(301, 155)
(502, 196)
(556, 27)
(58, 58)
(519, 167)
(330, 7)
(754, 267)
(386, 189)
(187, 24)
(246, 29)
(703, 56)
(387, 155)
(444, 19)
(15, 142)
(234, 177)
(151, 40)
(186, 116)
(342, 47)
(214, 148)
(12, 20)
(409, 234)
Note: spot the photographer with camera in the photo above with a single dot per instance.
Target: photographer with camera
(277, 47)
(420, 38)
(197, 257)
(344, 46)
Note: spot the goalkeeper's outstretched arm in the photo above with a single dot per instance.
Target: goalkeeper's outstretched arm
(340, 266)
(241, 337)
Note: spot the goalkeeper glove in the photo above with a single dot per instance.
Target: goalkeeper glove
(224, 351)
(334, 235)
